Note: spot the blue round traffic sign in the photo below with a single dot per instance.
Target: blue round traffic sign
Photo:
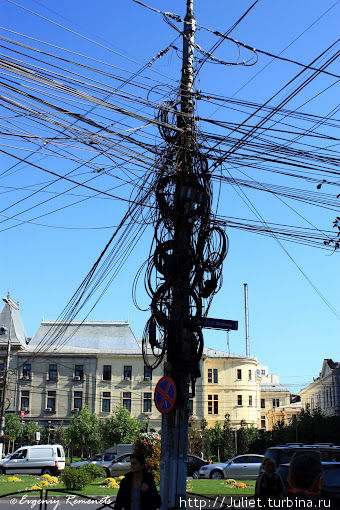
(165, 395)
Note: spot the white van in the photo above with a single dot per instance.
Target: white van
(39, 459)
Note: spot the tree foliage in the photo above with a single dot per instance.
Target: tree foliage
(12, 429)
(120, 427)
(84, 431)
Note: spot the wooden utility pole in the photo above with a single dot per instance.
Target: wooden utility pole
(175, 423)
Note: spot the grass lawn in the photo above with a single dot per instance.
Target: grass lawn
(27, 481)
(219, 487)
(97, 488)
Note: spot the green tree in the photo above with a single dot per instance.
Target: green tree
(12, 429)
(30, 428)
(84, 431)
(242, 439)
(195, 439)
(120, 427)
(216, 441)
(228, 438)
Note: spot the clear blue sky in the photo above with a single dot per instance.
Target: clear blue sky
(291, 328)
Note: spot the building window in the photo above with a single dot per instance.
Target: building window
(263, 372)
(258, 372)
(147, 403)
(106, 404)
(215, 404)
(263, 422)
(127, 400)
(107, 372)
(276, 402)
(239, 374)
(213, 375)
(79, 372)
(51, 400)
(52, 372)
(78, 400)
(212, 404)
(249, 375)
(25, 400)
(127, 372)
(147, 373)
(263, 403)
(250, 400)
(239, 400)
(26, 370)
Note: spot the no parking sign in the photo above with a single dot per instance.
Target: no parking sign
(165, 395)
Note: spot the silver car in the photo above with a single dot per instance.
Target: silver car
(100, 459)
(120, 466)
(242, 467)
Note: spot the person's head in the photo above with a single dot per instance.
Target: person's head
(137, 463)
(268, 465)
(305, 472)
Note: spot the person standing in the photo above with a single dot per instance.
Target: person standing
(268, 483)
(305, 479)
(138, 490)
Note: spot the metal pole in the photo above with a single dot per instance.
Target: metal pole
(175, 423)
(6, 367)
(246, 317)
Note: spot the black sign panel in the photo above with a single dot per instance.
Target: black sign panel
(225, 324)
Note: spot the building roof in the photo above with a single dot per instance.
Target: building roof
(85, 337)
(11, 320)
(214, 353)
(273, 388)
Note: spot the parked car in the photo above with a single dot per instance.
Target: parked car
(241, 467)
(194, 464)
(330, 489)
(38, 459)
(100, 459)
(119, 466)
(282, 454)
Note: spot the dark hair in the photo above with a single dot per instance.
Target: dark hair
(139, 458)
(304, 470)
(271, 462)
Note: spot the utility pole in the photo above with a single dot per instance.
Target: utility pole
(187, 262)
(10, 303)
(175, 423)
(246, 318)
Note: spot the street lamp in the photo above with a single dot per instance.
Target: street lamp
(235, 437)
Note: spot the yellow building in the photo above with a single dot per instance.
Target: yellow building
(285, 414)
(324, 392)
(100, 364)
(273, 396)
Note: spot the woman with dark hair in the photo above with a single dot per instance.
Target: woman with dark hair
(268, 484)
(137, 490)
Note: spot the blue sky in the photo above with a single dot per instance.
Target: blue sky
(291, 328)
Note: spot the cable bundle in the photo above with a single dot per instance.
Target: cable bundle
(188, 251)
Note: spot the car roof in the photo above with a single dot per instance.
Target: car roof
(330, 446)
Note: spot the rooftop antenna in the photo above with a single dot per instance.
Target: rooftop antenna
(246, 317)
